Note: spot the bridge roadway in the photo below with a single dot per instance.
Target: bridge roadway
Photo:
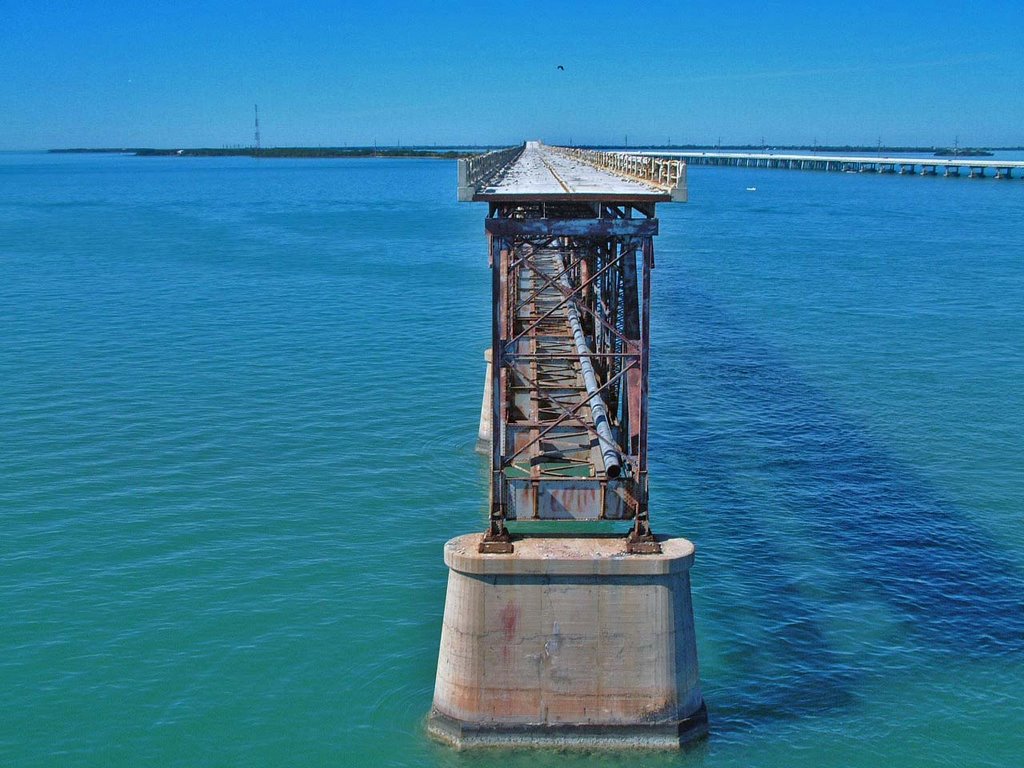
(535, 172)
(924, 166)
(545, 172)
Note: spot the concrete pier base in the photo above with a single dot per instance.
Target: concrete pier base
(568, 642)
(483, 436)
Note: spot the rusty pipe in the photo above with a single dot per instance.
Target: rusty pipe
(598, 409)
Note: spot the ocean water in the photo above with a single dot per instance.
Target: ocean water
(238, 405)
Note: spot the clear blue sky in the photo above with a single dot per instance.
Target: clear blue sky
(331, 73)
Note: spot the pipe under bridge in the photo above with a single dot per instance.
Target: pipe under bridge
(571, 235)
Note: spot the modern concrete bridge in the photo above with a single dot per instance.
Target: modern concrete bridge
(578, 639)
(923, 166)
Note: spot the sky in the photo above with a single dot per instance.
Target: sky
(187, 74)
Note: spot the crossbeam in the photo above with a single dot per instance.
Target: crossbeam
(596, 228)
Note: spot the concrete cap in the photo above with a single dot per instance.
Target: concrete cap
(562, 556)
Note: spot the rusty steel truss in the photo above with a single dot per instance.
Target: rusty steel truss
(571, 286)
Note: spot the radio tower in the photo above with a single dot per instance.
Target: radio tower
(256, 109)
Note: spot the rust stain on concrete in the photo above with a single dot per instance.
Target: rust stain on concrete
(509, 620)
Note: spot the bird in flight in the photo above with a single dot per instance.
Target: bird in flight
(561, 67)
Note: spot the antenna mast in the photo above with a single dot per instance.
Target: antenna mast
(256, 109)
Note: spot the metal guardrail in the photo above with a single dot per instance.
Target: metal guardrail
(660, 172)
(473, 170)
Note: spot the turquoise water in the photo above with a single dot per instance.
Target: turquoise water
(238, 405)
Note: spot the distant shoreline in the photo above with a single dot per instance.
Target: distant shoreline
(455, 153)
(275, 152)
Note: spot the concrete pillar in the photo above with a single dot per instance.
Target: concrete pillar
(466, 190)
(483, 435)
(568, 642)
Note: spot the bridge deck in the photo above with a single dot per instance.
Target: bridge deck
(543, 172)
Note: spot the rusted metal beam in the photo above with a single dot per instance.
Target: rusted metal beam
(641, 539)
(497, 196)
(595, 228)
(631, 330)
(497, 539)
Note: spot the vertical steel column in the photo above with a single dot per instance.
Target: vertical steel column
(497, 538)
(631, 329)
(641, 540)
(645, 353)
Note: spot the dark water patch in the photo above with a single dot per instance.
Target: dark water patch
(778, 663)
(884, 526)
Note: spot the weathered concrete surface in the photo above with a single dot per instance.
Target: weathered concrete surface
(568, 642)
(483, 437)
(541, 171)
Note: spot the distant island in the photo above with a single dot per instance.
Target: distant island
(274, 152)
(966, 152)
(451, 153)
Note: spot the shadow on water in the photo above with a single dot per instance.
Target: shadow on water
(883, 530)
(780, 663)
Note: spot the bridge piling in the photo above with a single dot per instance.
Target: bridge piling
(566, 642)
(577, 639)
